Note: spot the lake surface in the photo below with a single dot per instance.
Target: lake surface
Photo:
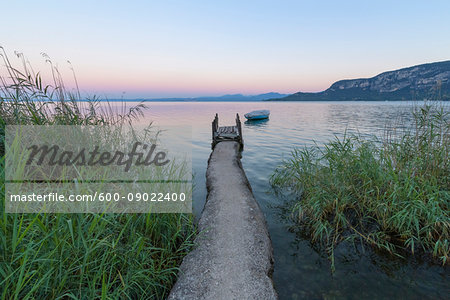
(300, 272)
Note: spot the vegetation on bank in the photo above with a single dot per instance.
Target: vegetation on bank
(80, 256)
(392, 193)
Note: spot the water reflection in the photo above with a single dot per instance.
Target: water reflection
(300, 271)
(256, 123)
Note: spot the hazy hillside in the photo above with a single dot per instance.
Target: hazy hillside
(427, 81)
(224, 98)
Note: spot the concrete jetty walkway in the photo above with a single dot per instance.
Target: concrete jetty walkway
(233, 256)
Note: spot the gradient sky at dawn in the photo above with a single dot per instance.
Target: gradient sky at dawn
(198, 48)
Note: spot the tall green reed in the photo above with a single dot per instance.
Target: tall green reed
(80, 256)
(392, 193)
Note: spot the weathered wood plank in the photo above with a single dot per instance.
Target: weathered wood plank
(226, 133)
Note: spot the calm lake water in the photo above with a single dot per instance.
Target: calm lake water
(300, 272)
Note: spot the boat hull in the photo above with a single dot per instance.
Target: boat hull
(258, 115)
(257, 118)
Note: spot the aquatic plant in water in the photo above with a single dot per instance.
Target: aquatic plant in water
(392, 193)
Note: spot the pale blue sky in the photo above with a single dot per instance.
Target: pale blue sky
(193, 48)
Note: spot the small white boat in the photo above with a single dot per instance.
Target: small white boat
(257, 115)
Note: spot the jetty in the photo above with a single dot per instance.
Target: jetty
(233, 256)
(227, 133)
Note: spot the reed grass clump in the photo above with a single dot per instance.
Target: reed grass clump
(80, 256)
(392, 193)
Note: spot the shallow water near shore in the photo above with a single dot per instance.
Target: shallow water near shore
(300, 272)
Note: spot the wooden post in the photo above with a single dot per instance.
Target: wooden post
(239, 127)
(215, 127)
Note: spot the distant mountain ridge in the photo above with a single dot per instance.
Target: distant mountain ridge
(231, 97)
(426, 81)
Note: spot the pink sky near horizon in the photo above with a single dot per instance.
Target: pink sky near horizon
(185, 84)
(154, 49)
(154, 80)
